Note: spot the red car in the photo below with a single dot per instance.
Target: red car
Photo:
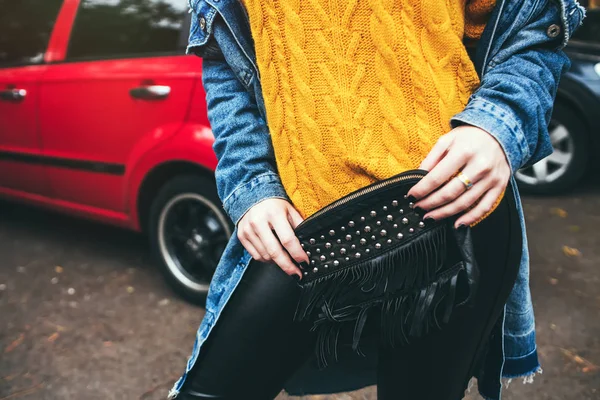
(103, 117)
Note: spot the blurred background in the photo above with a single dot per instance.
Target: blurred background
(110, 225)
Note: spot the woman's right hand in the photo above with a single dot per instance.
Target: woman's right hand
(267, 228)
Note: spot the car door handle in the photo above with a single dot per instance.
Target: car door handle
(151, 92)
(13, 94)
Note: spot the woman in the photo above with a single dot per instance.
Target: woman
(348, 94)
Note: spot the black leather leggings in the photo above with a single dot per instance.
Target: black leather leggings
(255, 346)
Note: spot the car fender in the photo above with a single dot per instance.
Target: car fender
(192, 143)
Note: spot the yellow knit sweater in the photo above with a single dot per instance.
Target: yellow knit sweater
(359, 90)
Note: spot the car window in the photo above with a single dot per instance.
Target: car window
(25, 28)
(117, 28)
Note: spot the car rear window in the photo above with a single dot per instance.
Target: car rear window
(118, 28)
(25, 28)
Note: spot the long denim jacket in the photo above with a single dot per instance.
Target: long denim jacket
(519, 59)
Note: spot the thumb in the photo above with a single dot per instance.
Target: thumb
(294, 216)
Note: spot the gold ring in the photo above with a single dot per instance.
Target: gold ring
(466, 181)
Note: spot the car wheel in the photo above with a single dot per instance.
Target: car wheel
(567, 164)
(188, 233)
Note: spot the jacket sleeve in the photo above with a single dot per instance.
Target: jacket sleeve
(246, 172)
(515, 99)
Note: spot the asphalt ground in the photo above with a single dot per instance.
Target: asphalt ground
(85, 315)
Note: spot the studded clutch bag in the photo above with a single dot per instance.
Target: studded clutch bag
(371, 252)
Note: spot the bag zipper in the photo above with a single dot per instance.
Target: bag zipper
(403, 176)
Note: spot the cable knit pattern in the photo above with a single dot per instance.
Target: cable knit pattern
(359, 90)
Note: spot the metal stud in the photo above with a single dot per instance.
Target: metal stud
(411, 230)
(305, 273)
(373, 213)
(358, 232)
(373, 237)
(336, 263)
(353, 246)
(347, 258)
(363, 241)
(326, 266)
(399, 236)
(343, 229)
(312, 241)
(401, 211)
(350, 224)
(389, 218)
(405, 196)
(318, 250)
(384, 208)
(378, 223)
(331, 232)
(362, 219)
(327, 245)
(342, 251)
(322, 236)
(383, 232)
(367, 251)
(332, 254)
(411, 204)
(302, 244)
(395, 203)
(389, 241)
(395, 226)
(367, 228)
(315, 270)
(405, 221)
(348, 237)
(312, 261)
(339, 241)
(322, 258)
(357, 255)
(421, 224)
(377, 245)
(308, 253)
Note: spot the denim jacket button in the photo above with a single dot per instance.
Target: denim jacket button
(202, 23)
(553, 31)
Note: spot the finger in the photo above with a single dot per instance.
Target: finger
(250, 248)
(294, 216)
(288, 239)
(453, 189)
(482, 208)
(453, 161)
(275, 250)
(461, 203)
(436, 153)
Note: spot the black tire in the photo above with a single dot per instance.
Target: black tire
(188, 231)
(567, 176)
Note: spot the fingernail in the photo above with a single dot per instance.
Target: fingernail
(461, 226)
(419, 210)
(411, 198)
(296, 277)
(428, 219)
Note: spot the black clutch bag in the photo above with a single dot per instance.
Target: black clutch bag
(370, 251)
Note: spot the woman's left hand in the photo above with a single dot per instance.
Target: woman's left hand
(481, 159)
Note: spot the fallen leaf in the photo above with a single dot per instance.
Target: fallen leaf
(586, 365)
(574, 228)
(559, 212)
(15, 343)
(130, 289)
(571, 251)
(553, 281)
(53, 337)
(58, 269)
(553, 327)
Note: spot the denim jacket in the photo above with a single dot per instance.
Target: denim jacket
(519, 59)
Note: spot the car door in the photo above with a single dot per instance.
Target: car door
(25, 30)
(125, 78)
